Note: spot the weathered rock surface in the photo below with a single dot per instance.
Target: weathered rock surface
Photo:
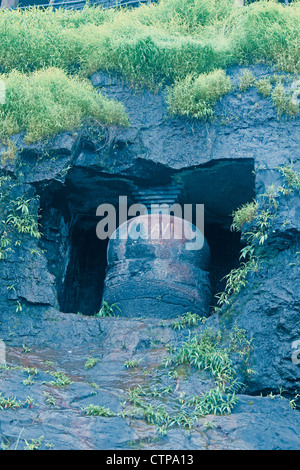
(255, 423)
(213, 164)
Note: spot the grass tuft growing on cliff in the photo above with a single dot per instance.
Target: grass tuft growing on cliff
(48, 101)
(196, 96)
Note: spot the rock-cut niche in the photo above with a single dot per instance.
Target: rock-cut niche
(78, 258)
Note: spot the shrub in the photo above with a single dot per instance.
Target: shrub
(247, 80)
(283, 102)
(292, 177)
(244, 214)
(196, 96)
(264, 87)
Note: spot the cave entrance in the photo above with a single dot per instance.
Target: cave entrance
(225, 247)
(77, 258)
(81, 291)
(82, 287)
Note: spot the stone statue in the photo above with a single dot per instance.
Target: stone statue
(157, 274)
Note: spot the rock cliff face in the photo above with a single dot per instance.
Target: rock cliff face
(46, 282)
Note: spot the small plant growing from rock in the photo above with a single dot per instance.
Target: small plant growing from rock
(263, 215)
(292, 178)
(209, 425)
(284, 102)
(29, 380)
(247, 80)
(107, 310)
(94, 385)
(10, 403)
(26, 350)
(61, 379)
(243, 215)
(29, 402)
(156, 414)
(133, 363)
(91, 362)
(264, 87)
(34, 444)
(96, 410)
(187, 320)
(293, 402)
(49, 399)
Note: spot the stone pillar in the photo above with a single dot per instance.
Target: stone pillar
(157, 274)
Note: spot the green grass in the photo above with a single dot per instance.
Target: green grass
(49, 399)
(204, 353)
(196, 96)
(247, 80)
(284, 102)
(48, 101)
(163, 41)
(184, 44)
(292, 178)
(264, 87)
(34, 444)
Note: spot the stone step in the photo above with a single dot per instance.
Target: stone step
(157, 195)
